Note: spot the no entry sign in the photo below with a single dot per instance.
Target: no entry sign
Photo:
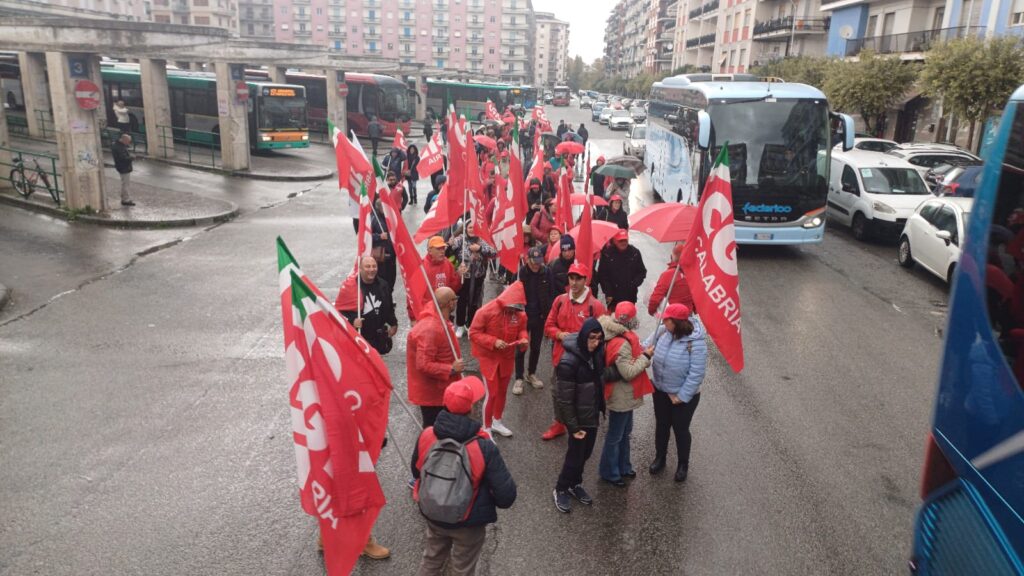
(242, 91)
(87, 93)
(343, 89)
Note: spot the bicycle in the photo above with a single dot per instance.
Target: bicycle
(26, 183)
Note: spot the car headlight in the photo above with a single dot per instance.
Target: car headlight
(814, 222)
(883, 208)
(305, 136)
(265, 138)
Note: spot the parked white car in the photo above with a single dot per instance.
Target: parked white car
(605, 114)
(933, 235)
(636, 141)
(871, 144)
(620, 120)
(873, 193)
(925, 156)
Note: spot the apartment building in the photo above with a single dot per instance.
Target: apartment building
(731, 36)
(218, 13)
(131, 10)
(551, 50)
(484, 38)
(659, 44)
(625, 38)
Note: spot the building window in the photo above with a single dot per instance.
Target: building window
(337, 44)
(319, 11)
(284, 9)
(439, 63)
(1017, 13)
(491, 50)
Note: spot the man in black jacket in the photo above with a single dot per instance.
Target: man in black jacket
(375, 131)
(123, 165)
(378, 323)
(539, 284)
(621, 270)
(560, 266)
(579, 401)
(460, 544)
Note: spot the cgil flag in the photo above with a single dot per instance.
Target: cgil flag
(339, 395)
(353, 167)
(399, 141)
(432, 158)
(492, 111)
(407, 256)
(542, 119)
(709, 262)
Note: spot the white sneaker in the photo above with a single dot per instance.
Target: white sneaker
(459, 331)
(500, 428)
(517, 387)
(534, 381)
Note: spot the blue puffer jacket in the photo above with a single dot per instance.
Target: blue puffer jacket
(679, 364)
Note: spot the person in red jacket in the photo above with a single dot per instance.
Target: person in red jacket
(568, 312)
(440, 271)
(431, 365)
(680, 287)
(498, 329)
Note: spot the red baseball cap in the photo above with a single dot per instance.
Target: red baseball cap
(677, 312)
(460, 395)
(621, 235)
(578, 270)
(625, 311)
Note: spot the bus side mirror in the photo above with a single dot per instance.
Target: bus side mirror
(848, 130)
(703, 129)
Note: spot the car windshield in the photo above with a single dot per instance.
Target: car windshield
(599, 106)
(904, 181)
(636, 110)
(639, 133)
(620, 113)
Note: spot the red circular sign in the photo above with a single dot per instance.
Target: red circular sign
(87, 93)
(242, 91)
(343, 89)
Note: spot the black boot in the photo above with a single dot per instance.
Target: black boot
(681, 473)
(658, 465)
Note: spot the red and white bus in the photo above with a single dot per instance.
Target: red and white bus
(560, 96)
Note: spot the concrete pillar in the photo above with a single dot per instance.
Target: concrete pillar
(336, 105)
(421, 100)
(78, 132)
(157, 100)
(234, 118)
(36, 91)
(5, 156)
(277, 74)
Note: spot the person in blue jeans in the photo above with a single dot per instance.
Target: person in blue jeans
(623, 351)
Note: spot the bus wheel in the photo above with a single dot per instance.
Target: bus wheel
(904, 256)
(859, 226)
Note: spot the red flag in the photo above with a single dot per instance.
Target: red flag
(474, 179)
(353, 167)
(481, 220)
(515, 175)
(542, 119)
(399, 141)
(564, 219)
(709, 261)
(432, 158)
(585, 242)
(348, 295)
(439, 217)
(338, 424)
(492, 111)
(457, 145)
(537, 168)
(508, 229)
(408, 257)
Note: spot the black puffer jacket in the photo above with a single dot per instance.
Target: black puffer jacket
(540, 292)
(497, 488)
(579, 380)
(621, 273)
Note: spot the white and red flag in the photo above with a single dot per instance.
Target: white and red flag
(492, 111)
(458, 143)
(542, 119)
(353, 167)
(339, 395)
(709, 262)
(399, 141)
(507, 230)
(348, 296)
(432, 158)
(408, 258)
(438, 218)
(537, 168)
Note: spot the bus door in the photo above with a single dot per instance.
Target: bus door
(178, 118)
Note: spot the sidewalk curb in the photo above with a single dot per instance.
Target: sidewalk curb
(222, 216)
(5, 296)
(325, 175)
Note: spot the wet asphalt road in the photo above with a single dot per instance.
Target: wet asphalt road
(145, 427)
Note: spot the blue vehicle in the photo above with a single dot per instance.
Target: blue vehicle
(595, 110)
(972, 486)
(780, 141)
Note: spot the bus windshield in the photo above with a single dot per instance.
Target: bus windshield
(777, 156)
(282, 113)
(394, 103)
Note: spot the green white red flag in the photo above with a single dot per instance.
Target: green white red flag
(353, 167)
(339, 395)
(709, 263)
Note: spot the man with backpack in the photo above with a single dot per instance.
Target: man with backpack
(460, 479)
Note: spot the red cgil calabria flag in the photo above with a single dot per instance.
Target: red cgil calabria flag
(339, 395)
(542, 119)
(432, 158)
(709, 262)
(399, 141)
(492, 111)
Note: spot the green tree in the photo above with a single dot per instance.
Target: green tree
(870, 86)
(575, 73)
(802, 69)
(973, 77)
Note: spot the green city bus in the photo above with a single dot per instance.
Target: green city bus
(470, 98)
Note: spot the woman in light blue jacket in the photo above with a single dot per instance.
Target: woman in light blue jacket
(679, 357)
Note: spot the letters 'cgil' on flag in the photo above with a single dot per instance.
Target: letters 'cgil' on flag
(709, 263)
(400, 141)
(492, 111)
(339, 395)
(542, 119)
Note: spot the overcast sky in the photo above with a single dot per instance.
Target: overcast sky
(586, 20)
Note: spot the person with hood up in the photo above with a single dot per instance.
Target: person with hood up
(473, 254)
(679, 353)
(623, 351)
(374, 317)
(534, 198)
(383, 249)
(412, 176)
(459, 545)
(429, 361)
(583, 133)
(568, 312)
(618, 186)
(621, 270)
(561, 264)
(497, 332)
(539, 286)
(394, 162)
(615, 214)
(680, 287)
(598, 179)
(544, 220)
(549, 181)
(579, 401)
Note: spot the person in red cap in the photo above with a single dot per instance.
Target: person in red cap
(429, 360)
(615, 214)
(680, 287)
(598, 179)
(624, 351)
(621, 270)
(497, 331)
(568, 312)
(679, 354)
(459, 544)
(440, 270)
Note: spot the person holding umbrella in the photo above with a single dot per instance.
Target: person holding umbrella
(621, 270)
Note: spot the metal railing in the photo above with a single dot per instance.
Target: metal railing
(911, 41)
(199, 146)
(786, 23)
(47, 127)
(17, 124)
(47, 163)
(110, 134)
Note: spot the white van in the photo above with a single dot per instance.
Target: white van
(873, 193)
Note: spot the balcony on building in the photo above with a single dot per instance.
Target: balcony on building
(371, 3)
(367, 19)
(371, 34)
(407, 4)
(910, 42)
(780, 29)
(337, 33)
(440, 4)
(303, 33)
(372, 51)
(474, 40)
(411, 20)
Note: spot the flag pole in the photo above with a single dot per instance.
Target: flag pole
(671, 284)
(437, 306)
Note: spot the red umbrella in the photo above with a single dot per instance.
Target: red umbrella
(579, 199)
(602, 232)
(486, 141)
(569, 148)
(667, 222)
